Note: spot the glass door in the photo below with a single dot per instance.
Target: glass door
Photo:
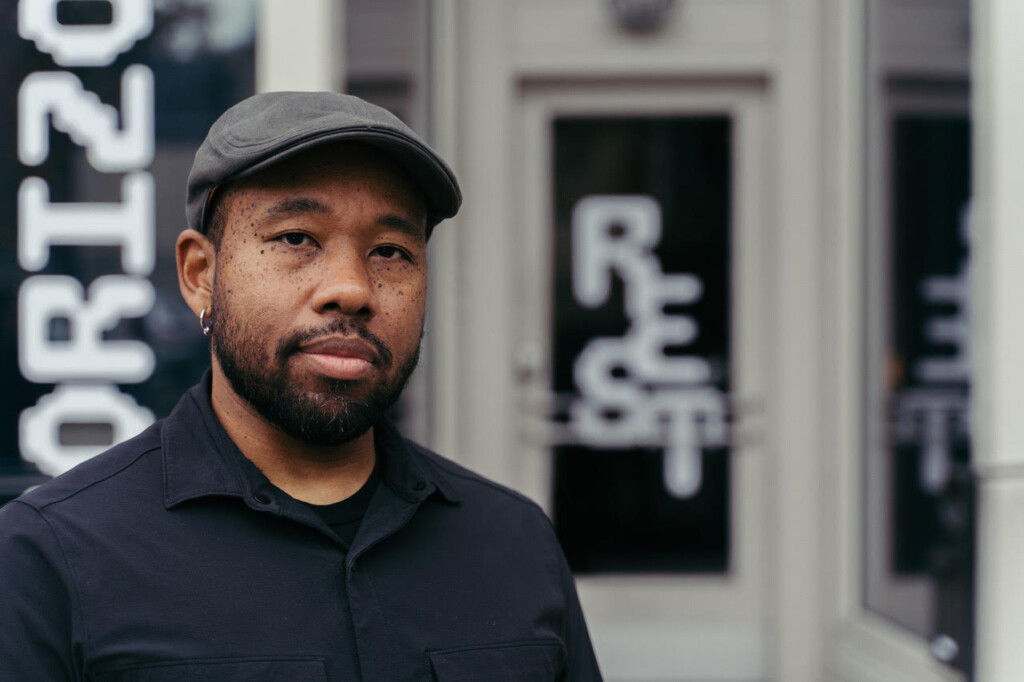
(919, 516)
(641, 369)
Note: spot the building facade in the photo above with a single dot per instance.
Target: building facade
(731, 294)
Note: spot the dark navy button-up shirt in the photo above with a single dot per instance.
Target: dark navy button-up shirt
(171, 557)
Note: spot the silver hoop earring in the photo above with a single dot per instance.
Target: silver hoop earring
(202, 322)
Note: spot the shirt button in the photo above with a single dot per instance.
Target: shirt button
(419, 485)
(262, 498)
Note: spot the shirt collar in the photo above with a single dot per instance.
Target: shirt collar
(404, 471)
(201, 460)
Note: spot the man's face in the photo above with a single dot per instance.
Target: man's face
(319, 290)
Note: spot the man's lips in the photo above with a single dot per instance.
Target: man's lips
(342, 347)
(341, 358)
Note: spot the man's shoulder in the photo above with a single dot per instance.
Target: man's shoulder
(99, 472)
(495, 521)
(467, 485)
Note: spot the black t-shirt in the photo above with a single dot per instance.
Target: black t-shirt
(345, 516)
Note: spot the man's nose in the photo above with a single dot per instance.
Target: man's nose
(345, 286)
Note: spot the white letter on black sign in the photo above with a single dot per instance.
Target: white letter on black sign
(129, 224)
(40, 425)
(86, 45)
(86, 354)
(90, 123)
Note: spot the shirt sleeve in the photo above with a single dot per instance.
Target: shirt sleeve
(35, 604)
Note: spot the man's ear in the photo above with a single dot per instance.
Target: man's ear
(197, 259)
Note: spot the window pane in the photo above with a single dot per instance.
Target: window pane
(930, 353)
(641, 342)
(921, 573)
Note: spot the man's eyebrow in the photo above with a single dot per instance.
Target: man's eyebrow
(397, 222)
(298, 205)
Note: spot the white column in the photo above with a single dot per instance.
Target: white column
(797, 456)
(998, 115)
(487, 251)
(299, 45)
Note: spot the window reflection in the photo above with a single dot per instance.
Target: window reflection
(919, 507)
(931, 333)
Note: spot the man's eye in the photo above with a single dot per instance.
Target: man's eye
(294, 238)
(386, 251)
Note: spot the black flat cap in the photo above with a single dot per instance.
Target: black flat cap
(270, 127)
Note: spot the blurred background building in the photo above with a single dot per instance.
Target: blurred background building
(733, 293)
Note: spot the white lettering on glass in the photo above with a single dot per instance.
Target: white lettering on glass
(631, 391)
(85, 45)
(114, 142)
(930, 417)
(85, 355)
(951, 330)
(60, 97)
(931, 414)
(129, 224)
(39, 426)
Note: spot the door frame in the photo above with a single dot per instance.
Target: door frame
(659, 627)
(862, 646)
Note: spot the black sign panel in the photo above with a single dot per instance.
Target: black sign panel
(104, 104)
(641, 342)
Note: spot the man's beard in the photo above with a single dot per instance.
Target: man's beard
(328, 414)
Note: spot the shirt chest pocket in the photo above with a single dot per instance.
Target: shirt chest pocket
(530, 661)
(224, 670)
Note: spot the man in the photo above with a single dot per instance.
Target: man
(275, 526)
